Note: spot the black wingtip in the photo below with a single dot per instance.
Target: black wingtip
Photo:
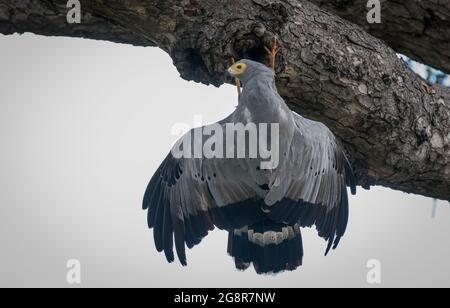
(333, 241)
(169, 256)
(350, 175)
(336, 243)
(145, 203)
(330, 244)
(182, 257)
(178, 226)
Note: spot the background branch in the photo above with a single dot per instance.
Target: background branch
(418, 29)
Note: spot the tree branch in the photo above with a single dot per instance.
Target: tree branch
(49, 18)
(395, 127)
(418, 29)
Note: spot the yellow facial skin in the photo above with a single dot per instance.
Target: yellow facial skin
(237, 69)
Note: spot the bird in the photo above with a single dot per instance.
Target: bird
(262, 209)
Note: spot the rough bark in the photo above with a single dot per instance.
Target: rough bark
(418, 29)
(395, 127)
(48, 18)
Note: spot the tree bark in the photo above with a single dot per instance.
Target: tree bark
(48, 18)
(418, 29)
(395, 127)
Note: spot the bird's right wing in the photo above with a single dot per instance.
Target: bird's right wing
(186, 197)
(314, 182)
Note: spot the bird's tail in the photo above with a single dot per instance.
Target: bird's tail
(271, 247)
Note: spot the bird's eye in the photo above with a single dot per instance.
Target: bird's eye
(239, 67)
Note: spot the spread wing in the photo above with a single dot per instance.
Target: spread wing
(187, 197)
(314, 180)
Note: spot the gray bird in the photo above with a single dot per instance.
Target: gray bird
(263, 209)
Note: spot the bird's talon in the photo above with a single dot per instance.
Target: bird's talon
(272, 53)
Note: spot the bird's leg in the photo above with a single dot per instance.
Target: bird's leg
(238, 82)
(272, 53)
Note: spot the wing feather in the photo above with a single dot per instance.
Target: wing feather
(187, 197)
(318, 174)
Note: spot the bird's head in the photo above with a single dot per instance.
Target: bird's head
(248, 69)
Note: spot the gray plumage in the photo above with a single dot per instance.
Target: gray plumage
(263, 210)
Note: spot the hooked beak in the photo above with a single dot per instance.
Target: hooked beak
(229, 73)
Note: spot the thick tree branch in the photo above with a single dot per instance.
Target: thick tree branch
(395, 126)
(49, 18)
(418, 29)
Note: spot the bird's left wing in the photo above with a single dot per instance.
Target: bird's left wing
(187, 197)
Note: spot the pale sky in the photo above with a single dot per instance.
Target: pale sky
(83, 126)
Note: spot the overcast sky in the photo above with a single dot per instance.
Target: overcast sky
(83, 126)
